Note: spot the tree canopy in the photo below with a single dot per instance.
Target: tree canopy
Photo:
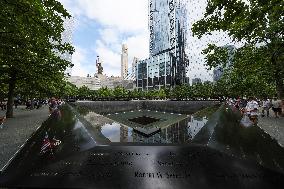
(31, 45)
(258, 24)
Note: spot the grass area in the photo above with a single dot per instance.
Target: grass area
(206, 112)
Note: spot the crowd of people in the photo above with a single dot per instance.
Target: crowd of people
(30, 104)
(35, 103)
(253, 107)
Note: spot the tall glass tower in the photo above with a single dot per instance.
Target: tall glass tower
(166, 19)
(166, 66)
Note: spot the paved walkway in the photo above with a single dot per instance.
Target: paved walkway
(273, 126)
(18, 129)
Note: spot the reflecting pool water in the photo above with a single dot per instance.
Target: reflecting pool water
(182, 131)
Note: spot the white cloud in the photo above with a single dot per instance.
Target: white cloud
(109, 36)
(110, 58)
(125, 15)
(138, 46)
(78, 57)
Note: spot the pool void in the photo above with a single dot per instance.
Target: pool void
(144, 120)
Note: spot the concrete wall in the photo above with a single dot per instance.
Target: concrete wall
(103, 107)
(184, 107)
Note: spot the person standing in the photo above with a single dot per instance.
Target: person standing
(16, 103)
(1, 105)
(252, 110)
(238, 103)
(52, 105)
(2, 120)
(266, 104)
(277, 107)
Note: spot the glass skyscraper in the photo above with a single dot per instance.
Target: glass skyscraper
(165, 17)
(167, 63)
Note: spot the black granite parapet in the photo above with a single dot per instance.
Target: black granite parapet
(183, 107)
(224, 133)
(191, 166)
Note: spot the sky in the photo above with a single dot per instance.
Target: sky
(102, 26)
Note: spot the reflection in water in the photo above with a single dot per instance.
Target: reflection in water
(82, 136)
(195, 125)
(180, 132)
(115, 133)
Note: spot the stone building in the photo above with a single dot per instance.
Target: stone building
(99, 80)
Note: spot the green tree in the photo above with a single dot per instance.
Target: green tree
(207, 89)
(69, 90)
(149, 94)
(94, 94)
(161, 94)
(167, 92)
(105, 92)
(30, 35)
(197, 90)
(84, 92)
(180, 92)
(259, 25)
(136, 94)
(120, 92)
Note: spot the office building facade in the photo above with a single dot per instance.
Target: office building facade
(134, 64)
(166, 66)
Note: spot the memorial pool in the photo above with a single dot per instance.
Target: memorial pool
(168, 128)
(98, 152)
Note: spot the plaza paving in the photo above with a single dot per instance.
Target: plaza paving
(18, 129)
(273, 126)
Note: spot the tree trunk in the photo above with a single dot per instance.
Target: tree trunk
(278, 75)
(279, 82)
(280, 88)
(12, 84)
